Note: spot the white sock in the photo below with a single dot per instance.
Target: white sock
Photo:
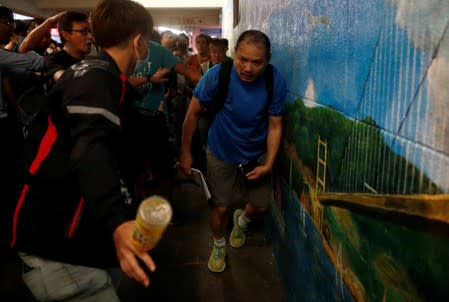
(220, 242)
(243, 220)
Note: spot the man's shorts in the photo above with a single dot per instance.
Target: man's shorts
(229, 188)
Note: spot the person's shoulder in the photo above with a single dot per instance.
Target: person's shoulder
(89, 85)
(59, 60)
(276, 72)
(192, 59)
(157, 51)
(155, 45)
(157, 48)
(97, 69)
(277, 76)
(57, 55)
(213, 72)
(92, 73)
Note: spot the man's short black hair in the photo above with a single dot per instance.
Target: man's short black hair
(255, 37)
(67, 19)
(6, 13)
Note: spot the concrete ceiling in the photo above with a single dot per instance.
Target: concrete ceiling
(171, 13)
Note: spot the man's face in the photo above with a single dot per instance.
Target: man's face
(217, 54)
(79, 38)
(201, 45)
(168, 41)
(6, 29)
(250, 61)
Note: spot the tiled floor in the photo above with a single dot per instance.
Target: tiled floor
(181, 259)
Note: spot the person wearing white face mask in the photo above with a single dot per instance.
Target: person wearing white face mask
(73, 222)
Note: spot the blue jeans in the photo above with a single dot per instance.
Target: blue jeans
(56, 281)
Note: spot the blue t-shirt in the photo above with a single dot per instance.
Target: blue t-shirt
(239, 131)
(158, 57)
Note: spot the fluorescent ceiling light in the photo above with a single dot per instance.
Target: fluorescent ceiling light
(21, 17)
(181, 3)
(175, 31)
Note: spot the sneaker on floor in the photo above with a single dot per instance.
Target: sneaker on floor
(217, 257)
(238, 235)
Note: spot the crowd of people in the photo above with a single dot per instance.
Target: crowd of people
(127, 107)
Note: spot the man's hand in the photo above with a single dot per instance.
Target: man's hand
(127, 253)
(258, 172)
(161, 106)
(54, 19)
(160, 76)
(185, 162)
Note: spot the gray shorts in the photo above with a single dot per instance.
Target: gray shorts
(56, 281)
(229, 188)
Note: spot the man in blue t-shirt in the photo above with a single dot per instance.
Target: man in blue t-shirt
(243, 141)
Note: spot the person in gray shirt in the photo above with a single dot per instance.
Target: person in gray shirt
(9, 131)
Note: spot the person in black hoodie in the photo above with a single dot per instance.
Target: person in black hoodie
(72, 220)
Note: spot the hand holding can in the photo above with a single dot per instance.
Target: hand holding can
(153, 216)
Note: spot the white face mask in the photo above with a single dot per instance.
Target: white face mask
(139, 59)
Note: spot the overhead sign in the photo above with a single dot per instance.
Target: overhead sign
(216, 32)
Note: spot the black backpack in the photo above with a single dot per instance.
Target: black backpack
(48, 142)
(35, 103)
(222, 89)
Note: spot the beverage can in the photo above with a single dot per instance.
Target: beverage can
(153, 216)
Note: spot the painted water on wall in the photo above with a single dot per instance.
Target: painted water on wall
(368, 92)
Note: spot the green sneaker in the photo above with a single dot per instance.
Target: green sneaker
(217, 262)
(238, 235)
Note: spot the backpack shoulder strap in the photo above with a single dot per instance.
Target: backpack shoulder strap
(85, 65)
(223, 85)
(269, 84)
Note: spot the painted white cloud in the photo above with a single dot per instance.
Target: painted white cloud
(425, 22)
(310, 94)
(438, 77)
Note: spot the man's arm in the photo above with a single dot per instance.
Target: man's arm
(35, 36)
(105, 202)
(188, 129)
(21, 61)
(191, 74)
(160, 76)
(273, 139)
(127, 254)
(273, 143)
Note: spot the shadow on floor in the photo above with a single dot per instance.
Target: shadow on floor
(181, 259)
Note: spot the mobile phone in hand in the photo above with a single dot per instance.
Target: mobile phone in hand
(247, 167)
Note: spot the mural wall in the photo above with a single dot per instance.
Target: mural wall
(362, 205)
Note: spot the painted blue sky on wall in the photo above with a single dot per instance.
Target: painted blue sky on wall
(384, 59)
(333, 51)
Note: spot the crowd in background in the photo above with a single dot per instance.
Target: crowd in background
(175, 81)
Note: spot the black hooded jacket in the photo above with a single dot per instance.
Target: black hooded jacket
(71, 197)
